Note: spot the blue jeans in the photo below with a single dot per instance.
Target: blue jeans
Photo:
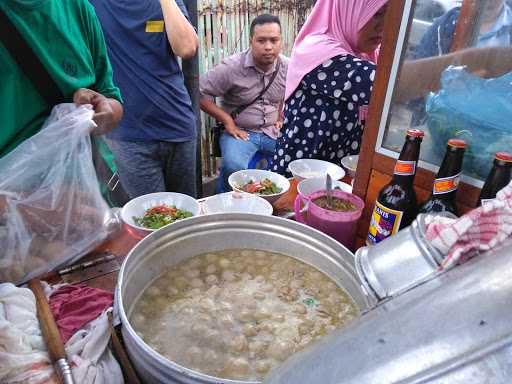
(236, 154)
(155, 166)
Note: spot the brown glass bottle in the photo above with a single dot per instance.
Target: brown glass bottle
(498, 178)
(396, 205)
(447, 180)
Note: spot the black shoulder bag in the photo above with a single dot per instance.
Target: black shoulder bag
(35, 71)
(219, 127)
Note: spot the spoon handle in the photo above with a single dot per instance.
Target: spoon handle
(328, 190)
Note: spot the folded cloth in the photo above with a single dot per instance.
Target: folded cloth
(481, 229)
(91, 358)
(73, 306)
(23, 354)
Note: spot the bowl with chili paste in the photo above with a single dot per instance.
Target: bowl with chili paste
(148, 213)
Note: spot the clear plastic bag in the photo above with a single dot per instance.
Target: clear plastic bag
(51, 208)
(474, 109)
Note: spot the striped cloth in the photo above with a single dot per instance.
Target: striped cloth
(479, 230)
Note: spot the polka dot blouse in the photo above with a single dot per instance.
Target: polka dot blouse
(324, 117)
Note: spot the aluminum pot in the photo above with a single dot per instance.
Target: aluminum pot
(398, 263)
(190, 237)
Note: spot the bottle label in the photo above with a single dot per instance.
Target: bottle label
(484, 202)
(446, 184)
(384, 223)
(405, 168)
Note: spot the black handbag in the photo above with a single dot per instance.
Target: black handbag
(35, 71)
(218, 128)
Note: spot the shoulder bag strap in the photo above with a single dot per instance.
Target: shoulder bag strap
(29, 62)
(241, 108)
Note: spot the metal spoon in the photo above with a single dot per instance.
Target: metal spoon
(328, 191)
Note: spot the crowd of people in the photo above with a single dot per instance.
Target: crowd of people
(123, 59)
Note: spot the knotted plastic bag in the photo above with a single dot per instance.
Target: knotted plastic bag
(51, 208)
(475, 109)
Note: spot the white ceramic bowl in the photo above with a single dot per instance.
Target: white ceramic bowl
(138, 206)
(350, 164)
(312, 168)
(237, 179)
(236, 202)
(308, 186)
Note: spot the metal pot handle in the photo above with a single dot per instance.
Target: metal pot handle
(298, 212)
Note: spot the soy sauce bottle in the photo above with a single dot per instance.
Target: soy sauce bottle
(447, 180)
(396, 205)
(498, 178)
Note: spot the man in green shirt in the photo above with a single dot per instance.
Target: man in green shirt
(67, 38)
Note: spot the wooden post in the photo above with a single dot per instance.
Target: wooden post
(467, 25)
(191, 74)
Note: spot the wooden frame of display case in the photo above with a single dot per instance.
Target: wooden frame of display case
(375, 169)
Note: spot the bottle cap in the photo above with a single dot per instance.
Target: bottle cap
(504, 156)
(457, 143)
(415, 133)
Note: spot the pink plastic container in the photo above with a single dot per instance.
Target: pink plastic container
(339, 225)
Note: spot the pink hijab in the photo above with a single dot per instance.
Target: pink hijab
(330, 30)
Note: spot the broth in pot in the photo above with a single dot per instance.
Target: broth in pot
(235, 314)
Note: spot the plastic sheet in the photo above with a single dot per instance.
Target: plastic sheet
(475, 109)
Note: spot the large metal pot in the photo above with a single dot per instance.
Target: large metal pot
(197, 235)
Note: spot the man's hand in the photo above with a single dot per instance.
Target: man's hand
(219, 114)
(107, 112)
(236, 132)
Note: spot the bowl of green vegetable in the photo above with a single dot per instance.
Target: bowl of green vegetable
(266, 184)
(148, 213)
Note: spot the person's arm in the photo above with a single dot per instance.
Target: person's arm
(280, 115)
(216, 83)
(285, 61)
(219, 114)
(180, 33)
(107, 111)
(418, 77)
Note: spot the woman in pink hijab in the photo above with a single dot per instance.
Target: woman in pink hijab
(329, 81)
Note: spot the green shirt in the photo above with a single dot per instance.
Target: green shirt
(67, 37)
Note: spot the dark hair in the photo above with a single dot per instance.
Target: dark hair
(266, 18)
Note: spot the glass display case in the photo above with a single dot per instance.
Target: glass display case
(449, 79)
(445, 67)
